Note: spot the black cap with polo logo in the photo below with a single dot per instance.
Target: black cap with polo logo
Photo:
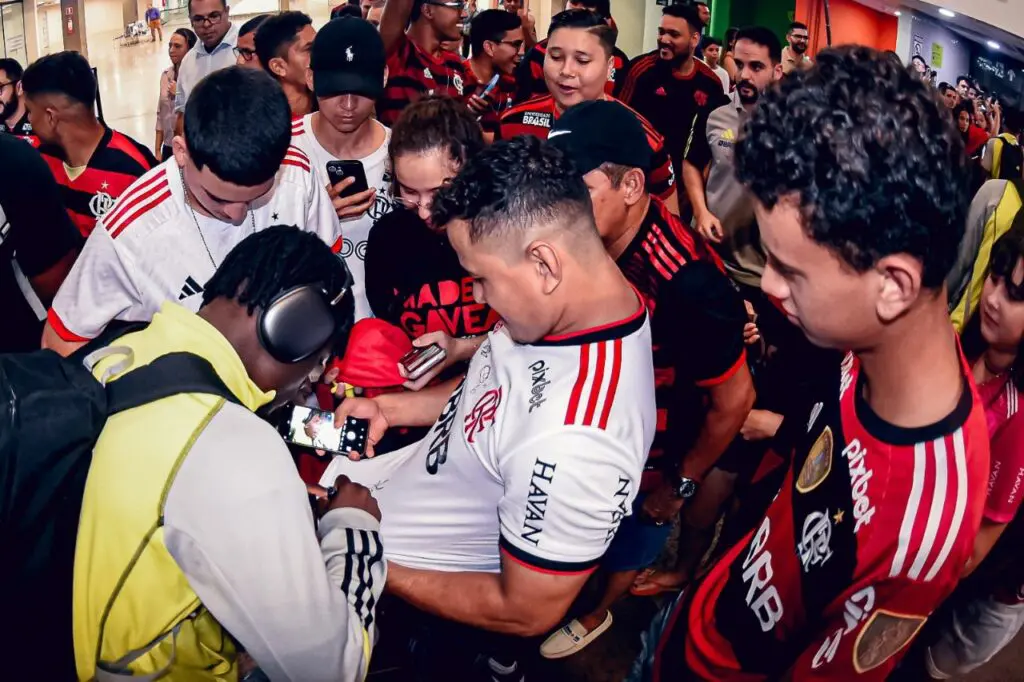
(602, 131)
(348, 57)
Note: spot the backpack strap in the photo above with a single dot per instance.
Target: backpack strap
(168, 375)
(1018, 220)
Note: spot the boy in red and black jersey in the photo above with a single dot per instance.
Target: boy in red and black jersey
(573, 34)
(530, 74)
(496, 37)
(92, 163)
(703, 389)
(417, 66)
(875, 522)
(671, 88)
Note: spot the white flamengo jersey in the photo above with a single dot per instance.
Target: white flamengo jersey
(148, 249)
(355, 231)
(538, 452)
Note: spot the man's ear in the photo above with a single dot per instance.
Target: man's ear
(899, 285)
(309, 79)
(547, 264)
(180, 151)
(278, 66)
(634, 186)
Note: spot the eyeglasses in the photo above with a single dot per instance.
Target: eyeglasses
(244, 52)
(209, 20)
(455, 4)
(4, 85)
(797, 36)
(517, 44)
(415, 205)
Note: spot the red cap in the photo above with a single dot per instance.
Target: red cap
(372, 355)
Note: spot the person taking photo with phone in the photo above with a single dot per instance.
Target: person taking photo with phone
(181, 547)
(347, 145)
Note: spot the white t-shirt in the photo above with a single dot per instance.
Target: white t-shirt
(355, 231)
(723, 76)
(147, 248)
(539, 451)
(198, 64)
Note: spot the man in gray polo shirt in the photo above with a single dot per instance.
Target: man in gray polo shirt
(722, 210)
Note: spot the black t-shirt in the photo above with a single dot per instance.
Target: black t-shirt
(414, 280)
(678, 108)
(35, 233)
(697, 320)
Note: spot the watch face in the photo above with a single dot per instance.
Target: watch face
(687, 488)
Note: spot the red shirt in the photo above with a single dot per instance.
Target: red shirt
(1006, 433)
(869, 533)
(975, 139)
(413, 73)
(535, 116)
(117, 162)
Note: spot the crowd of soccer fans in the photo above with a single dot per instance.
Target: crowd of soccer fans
(766, 303)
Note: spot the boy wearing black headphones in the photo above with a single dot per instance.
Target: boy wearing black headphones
(206, 529)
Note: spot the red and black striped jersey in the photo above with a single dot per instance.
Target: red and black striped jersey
(677, 106)
(530, 73)
(535, 117)
(22, 129)
(697, 320)
(413, 74)
(501, 98)
(117, 162)
(869, 533)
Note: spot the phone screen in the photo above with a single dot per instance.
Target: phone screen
(316, 429)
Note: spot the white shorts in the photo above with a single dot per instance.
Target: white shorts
(975, 633)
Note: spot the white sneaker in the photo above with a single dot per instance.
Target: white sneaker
(572, 638)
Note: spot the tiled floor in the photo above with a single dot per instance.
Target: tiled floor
(129, 77)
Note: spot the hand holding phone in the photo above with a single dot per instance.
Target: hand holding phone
(348, 190)
(366, 410)
(320, 430)
(419, 361)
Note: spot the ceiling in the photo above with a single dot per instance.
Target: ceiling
(1010, 45)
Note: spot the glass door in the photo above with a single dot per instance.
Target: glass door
(12, 31)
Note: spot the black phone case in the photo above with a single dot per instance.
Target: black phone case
(339, 170)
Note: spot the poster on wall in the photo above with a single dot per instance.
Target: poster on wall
(918, 47)
(936, 56)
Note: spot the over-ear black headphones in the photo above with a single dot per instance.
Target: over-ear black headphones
(301, 321)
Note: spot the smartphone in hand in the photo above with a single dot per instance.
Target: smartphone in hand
(339, 170)
(312, 428)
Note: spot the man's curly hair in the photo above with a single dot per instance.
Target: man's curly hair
(514, 185)
(872, 155)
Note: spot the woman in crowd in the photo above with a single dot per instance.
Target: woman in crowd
(413, 276)
(974, 136)
(181, 42)
(990, 616)
(727, 61)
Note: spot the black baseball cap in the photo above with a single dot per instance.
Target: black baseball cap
(348, 57)
(602, 131)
